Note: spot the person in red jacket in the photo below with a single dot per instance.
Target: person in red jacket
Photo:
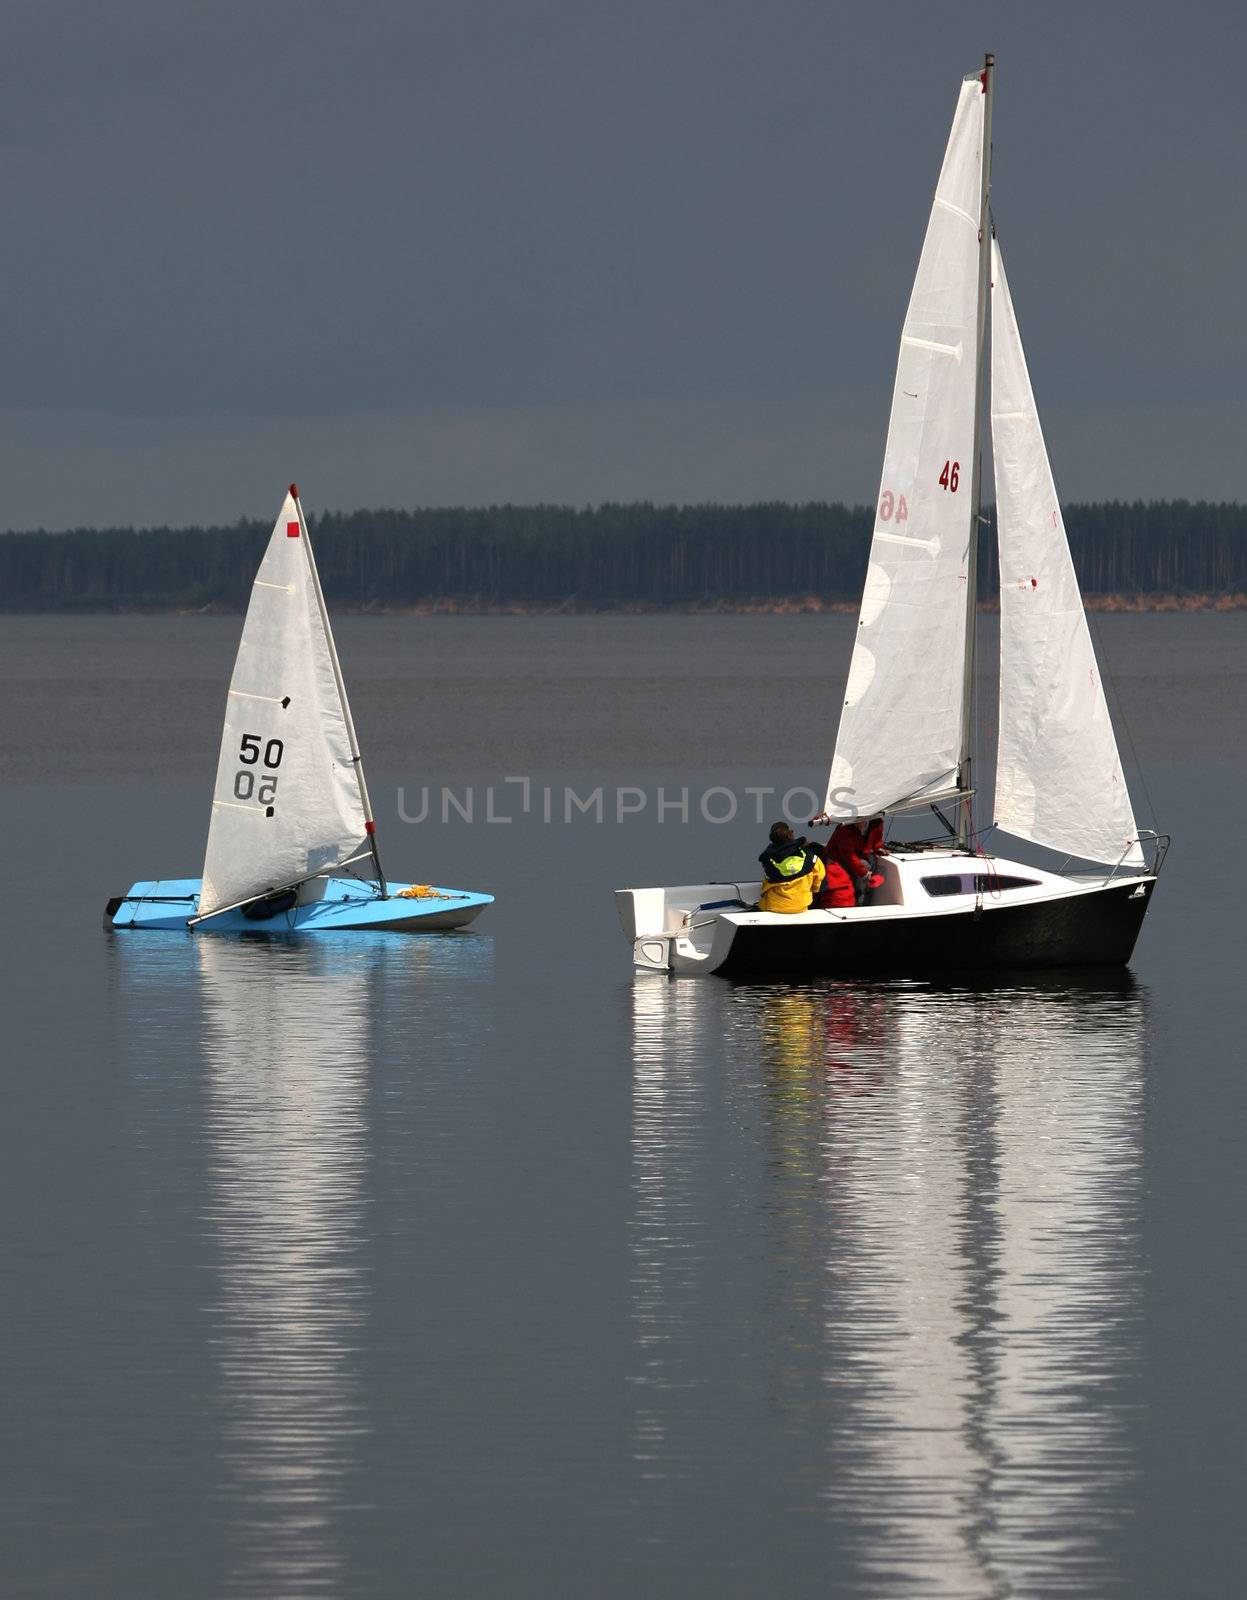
(851, 848)
(837, 892)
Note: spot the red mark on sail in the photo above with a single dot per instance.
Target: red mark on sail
(1034, 583)
(292, 530)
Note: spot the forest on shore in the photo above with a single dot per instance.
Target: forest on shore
(634, 557)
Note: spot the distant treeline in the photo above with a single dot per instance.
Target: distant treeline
(608, 556)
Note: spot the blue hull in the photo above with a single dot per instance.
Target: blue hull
(346, 904)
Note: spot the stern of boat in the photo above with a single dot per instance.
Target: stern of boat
(682, 928)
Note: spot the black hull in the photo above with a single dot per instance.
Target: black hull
(1097, 929)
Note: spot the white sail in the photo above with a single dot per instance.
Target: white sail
(900, 727)
(289, 800)
(1059, 779)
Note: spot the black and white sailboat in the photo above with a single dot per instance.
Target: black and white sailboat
(906, 728)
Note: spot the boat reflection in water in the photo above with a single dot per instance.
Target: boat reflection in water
(944, 1212)
(286, 1037)
(303, 1045)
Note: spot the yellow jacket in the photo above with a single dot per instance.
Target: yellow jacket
(793, 894)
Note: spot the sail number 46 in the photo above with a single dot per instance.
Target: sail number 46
(893, 505)
(250, 752)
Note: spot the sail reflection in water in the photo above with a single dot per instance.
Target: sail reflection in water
(293, 1070)
(286, 1036)
(947, 1185)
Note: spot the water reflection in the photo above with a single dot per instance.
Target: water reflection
(948, 1205)
(295, 1042)
(286, 1032)
(668, 1142)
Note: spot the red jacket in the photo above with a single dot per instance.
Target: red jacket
(837, 888)
(848, 849)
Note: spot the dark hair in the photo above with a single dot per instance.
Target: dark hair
(780, 832)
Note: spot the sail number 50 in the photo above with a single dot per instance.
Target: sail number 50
(249, 753)
(951, 475)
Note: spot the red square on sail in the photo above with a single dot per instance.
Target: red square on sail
(292, 530)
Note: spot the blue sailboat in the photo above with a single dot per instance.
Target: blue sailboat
(291, 816)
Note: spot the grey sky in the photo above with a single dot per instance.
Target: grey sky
(451, 251)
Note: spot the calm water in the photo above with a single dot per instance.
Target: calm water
(474, 1266)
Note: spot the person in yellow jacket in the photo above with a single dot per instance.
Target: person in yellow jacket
(793, 873)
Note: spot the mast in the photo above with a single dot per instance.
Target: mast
(356, 758)
(964, 774)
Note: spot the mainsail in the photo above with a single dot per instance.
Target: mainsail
(900, 732)
(1059, 779)
(289, 799)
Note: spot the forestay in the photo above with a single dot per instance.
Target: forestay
(900, 727)
(288, 802)
(1059, 779)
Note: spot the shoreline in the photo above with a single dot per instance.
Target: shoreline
(789, 605)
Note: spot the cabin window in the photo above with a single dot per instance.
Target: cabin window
(974, 883)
